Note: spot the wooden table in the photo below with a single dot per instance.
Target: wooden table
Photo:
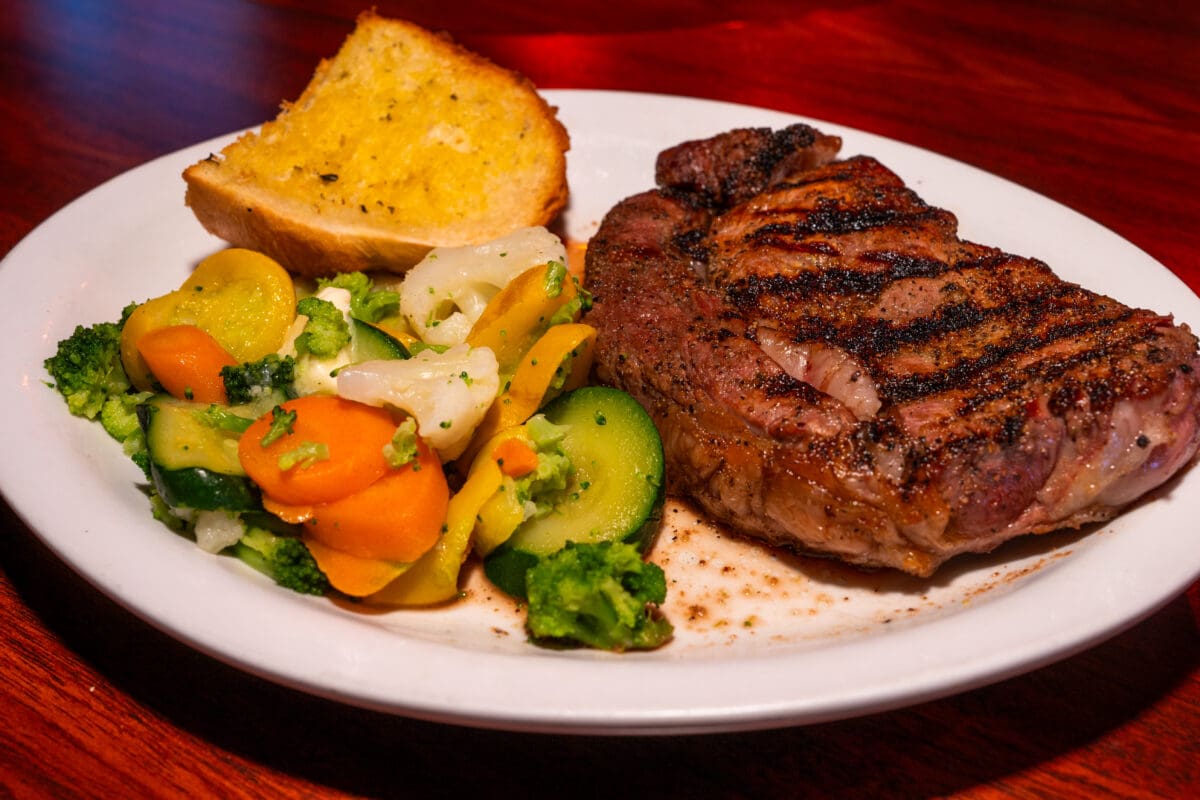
(1095, 104)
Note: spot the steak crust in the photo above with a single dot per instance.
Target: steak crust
(834, 370)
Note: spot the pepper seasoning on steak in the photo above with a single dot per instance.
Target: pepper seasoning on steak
(833, 370)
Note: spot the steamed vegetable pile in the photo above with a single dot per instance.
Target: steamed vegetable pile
(351, 439)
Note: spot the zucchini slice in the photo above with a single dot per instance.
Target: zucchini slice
(616, 490)
(370, 343)
(205, 490)
(194, 464)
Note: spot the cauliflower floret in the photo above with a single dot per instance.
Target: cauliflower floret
(448, 393)
(216, 530)
(446, 292)
(314, 375)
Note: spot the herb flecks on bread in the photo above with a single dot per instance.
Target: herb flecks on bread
(402, 142)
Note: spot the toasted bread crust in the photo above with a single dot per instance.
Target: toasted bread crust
(471, 159)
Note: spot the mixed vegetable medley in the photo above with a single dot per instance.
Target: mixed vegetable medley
(364, 437)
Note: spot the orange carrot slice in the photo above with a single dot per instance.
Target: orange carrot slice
(242, 298)
(515, 457)
(354, 434)
(576, 255)
(397, 518)
(187, 361)
(287, 513)
(352, 575)
(434, 578)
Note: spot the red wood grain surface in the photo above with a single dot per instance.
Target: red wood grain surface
(1094, 104)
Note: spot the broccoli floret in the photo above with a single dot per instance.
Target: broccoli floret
(582, 301)
(142, 459)
(600, 595)
(556, 273)
(282, 424)
(163, 512)
(367, 303)
(284, 559)
(247, 382)
(304, 455)
(118, 415)
(402, 449)
(220, 417)
(545, 485)
(87, 371)
(87, 368)
(326, 331)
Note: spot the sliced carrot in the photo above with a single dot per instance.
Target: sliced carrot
(187, 361)
(288, 513)
(244, 299)
(434, 578)
(352, 575)
(149, 316)
(397, 518)
(576, 255)
(510, 454)
(515, 457)
(353, 432)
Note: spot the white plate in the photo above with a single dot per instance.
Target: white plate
(762, 640)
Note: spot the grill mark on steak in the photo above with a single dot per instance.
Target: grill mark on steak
(749, 290)
(963, 372)
(885, 269)
(829, 218)
(1009, 401)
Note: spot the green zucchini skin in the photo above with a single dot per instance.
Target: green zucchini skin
(506, 567)
(369, 343)
(204, 490)
(616, 492)
(194, 465)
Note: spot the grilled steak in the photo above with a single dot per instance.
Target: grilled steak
(834, 370)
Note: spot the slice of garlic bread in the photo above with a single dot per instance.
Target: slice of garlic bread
(402, 142)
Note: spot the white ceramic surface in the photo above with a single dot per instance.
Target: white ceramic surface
(762, 639)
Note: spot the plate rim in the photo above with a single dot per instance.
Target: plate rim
(606, 715)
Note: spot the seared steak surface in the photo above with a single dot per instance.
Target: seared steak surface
(832, 369)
